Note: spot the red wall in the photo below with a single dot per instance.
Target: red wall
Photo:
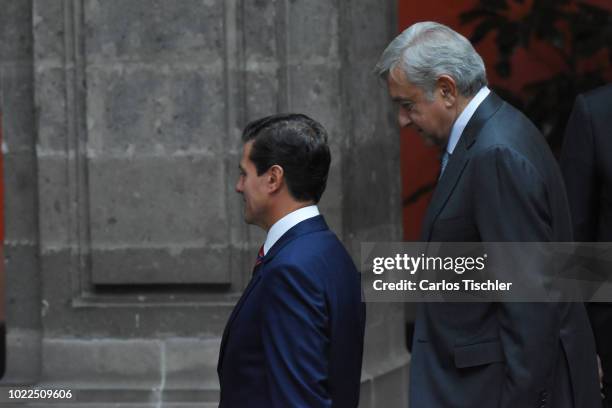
(419, 163)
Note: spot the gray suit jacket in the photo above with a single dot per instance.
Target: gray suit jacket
(501, 184)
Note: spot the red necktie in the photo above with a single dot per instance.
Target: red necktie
(259, 260)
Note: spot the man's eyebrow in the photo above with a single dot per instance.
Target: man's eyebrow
(401, 99)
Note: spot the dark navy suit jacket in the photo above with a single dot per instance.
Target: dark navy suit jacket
(295, 337)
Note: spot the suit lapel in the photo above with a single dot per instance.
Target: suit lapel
(458, 161)
(445, 186)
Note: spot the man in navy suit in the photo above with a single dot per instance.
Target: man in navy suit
(295, 337)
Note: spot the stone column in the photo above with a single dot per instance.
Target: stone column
(21, 244)
(371, 205)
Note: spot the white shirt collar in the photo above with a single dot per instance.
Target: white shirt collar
(465, 117)
(287, 222)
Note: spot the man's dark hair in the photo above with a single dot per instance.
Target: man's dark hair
(296, 143)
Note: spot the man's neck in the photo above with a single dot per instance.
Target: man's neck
(284, 224)
(283, 210)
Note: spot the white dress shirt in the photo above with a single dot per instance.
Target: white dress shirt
(287, 222)
(465, 117)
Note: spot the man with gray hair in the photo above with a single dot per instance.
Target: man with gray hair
(498, 182)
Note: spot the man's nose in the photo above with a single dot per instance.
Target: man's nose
(239, 186)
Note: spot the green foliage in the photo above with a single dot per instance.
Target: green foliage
(574, 30)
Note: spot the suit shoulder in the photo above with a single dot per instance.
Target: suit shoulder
(601, 95)
(597, 104)
(314, 252)
(508, 126)
(511, 131)
(316, 245)
(319, 238)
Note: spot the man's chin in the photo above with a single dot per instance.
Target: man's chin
(428, 141)
(433, 141)
(248, 219)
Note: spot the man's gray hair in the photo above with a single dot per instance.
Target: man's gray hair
(427, 50)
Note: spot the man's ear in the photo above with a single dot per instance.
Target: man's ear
(275, 178)
(447, 87)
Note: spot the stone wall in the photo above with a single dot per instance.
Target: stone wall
(125, 245)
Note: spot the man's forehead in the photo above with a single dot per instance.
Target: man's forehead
(397, 74)
(399, 86)
(246, 152)
(246, 147)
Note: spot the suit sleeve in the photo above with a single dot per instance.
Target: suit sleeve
(578, 167)
(295, 338)
(513, 206)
